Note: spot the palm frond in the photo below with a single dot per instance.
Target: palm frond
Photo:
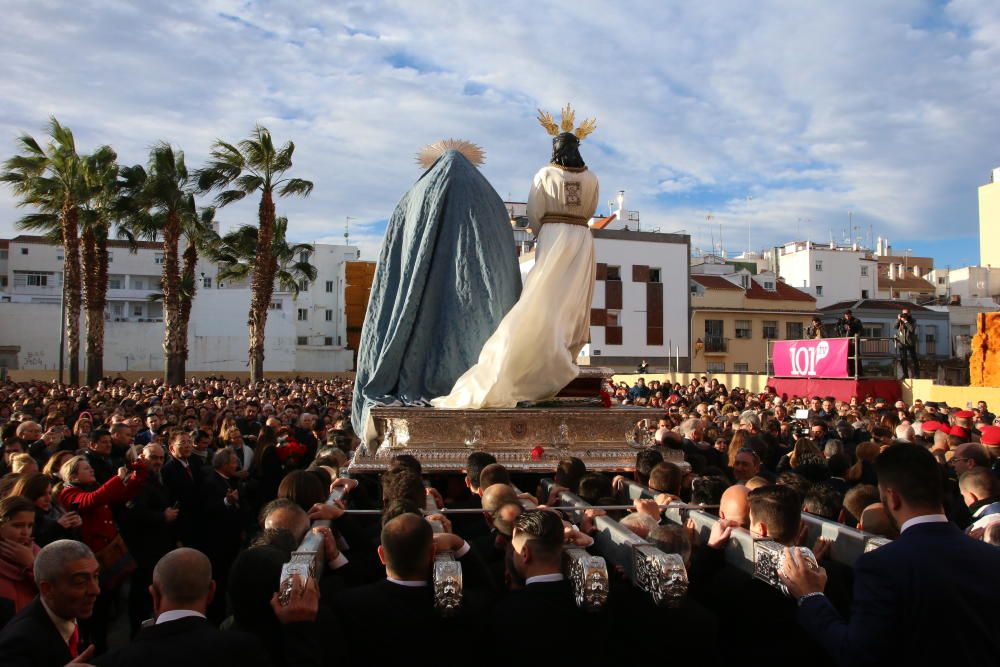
(296, 186)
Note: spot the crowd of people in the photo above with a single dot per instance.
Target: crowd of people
(145, 524)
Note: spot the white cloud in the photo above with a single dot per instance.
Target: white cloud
(883, 109)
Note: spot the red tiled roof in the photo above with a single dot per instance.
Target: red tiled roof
(112, 243)
(782, 292)
(714, 282)
(604, 222)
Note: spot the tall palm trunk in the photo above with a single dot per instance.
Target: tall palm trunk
(190, 262)
(174, 342)
(95, 279)
(262, 285)
(71, 286)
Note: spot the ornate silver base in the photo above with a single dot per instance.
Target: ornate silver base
(604, 438)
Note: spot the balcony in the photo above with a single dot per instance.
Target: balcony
(716, 345)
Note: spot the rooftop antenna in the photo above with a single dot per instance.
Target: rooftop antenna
(347, 229)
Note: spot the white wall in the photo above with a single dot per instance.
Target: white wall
(841, 277)
(672, 260)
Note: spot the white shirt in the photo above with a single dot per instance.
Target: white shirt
(177, 614)
(408, 584)
(65, 627)
(544, 578)
(924, 518)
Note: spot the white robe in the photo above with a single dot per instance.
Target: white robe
(532, 354)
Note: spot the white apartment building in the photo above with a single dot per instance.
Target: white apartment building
(310, 330)
(831, 273)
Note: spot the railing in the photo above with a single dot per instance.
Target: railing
(866, 357)
(715, 344)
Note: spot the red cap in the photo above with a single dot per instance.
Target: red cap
(990, 436)
(930, 426)
(959, 432)
(964, 414)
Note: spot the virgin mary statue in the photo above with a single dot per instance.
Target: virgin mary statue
(446, 277)
(532, 354)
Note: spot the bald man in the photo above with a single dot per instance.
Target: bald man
(734, 505)
(182, 589)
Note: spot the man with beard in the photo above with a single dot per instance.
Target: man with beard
(900, 587)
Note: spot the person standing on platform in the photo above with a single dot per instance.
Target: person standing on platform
(815, 330)
(850, 327)
(906, 343)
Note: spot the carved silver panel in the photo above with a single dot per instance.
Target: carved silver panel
(588, 576)
(768, 559)
(661, 575)
(874, 543)
(447, 584)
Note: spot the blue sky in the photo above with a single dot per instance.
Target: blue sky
(883, 113)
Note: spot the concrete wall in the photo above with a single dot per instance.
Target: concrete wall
(217, 338)
(954, 396)
(989, 222)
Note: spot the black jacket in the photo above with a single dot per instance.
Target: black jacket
(144, 526)
(31, 640)
(187, 641)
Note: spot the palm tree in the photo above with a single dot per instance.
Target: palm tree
(96, 216)
(51, 179)
(254, 165)
(236, 254)
(160, 205)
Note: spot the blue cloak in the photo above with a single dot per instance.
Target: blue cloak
(447, 275)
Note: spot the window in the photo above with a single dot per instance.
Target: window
(654, 275)
(3, 253)
(864, 270)
(769, 285)
(24, 251)
(303, 285)
(819, 290)
(32, 278)
(328, 341)
(114, 282)
(864, 294)
(743, 328)
(741, 368)
(60, 257)
(770, 329)
(793, 330)
(274, 305)
(930, 335)
(117, 309)
(302, 340)
(329, 286)
(207, 282)
(614, 318)
(138, 283)
(137, 310)
(745, 281)
(303, 314)
(111, 257)
(304, 256)
(871, 330)
(615, 273)
(158, 258)
(941, 280)
(716, 367)
(694, 288)
(329, 315)
(819, 265)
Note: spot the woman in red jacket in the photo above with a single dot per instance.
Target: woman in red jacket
(93, 503)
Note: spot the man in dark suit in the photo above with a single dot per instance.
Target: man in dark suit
(901, 588)
(544, 597)
(147, 524)
(182, 589)
(45, 633)
(99, 456)
(220, 523)
(403, 601)
(181, 476)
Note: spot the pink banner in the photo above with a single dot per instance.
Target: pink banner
(824, 358)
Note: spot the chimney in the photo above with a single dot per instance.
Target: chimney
(621, 206)
(878, 247)
(892, 272)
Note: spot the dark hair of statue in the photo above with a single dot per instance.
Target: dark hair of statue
(566, 151)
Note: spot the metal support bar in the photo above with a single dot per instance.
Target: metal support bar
(661, 575)
(307, 561)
